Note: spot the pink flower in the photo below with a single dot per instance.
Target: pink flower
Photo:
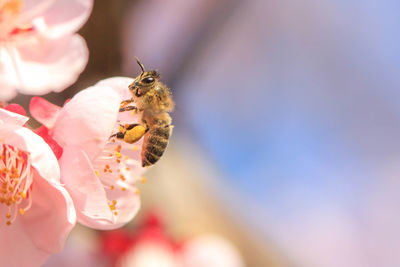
(151, 246)
(98, 171)
(37, 212)
(210, 250)
(39, 50)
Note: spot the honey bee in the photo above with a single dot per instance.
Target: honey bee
(154, 100)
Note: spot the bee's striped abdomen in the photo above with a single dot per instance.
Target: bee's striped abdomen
(154, 144)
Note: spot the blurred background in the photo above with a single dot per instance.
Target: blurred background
(287, 124)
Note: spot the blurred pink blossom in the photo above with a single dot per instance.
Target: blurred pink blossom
(210, 250)
(39, 50)
(37, 211)
(98, 171)
(150, 246)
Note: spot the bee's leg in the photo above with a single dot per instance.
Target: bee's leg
(126, 102)
(124, 105)
(122, 130)
(119, 135)
(128, 108)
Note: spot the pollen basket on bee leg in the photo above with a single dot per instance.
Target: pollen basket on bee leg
(133, 135)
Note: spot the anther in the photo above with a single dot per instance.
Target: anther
(15, 179)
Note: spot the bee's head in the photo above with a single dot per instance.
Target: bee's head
(144, 82)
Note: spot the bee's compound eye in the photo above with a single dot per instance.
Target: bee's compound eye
(148, 80)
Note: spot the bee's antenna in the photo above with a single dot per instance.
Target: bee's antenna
(140, 64)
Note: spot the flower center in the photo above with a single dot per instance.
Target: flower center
(16, 175)
(10, 10)
(118, 167)
(115, 171)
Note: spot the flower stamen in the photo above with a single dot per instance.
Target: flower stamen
(9, 8)
(16, 175)
(114, 169)
(10, 11)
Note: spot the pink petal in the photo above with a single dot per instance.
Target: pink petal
(12, 118)
(128, 205)
(41, 156)
(16, 109)
(7, 91)
(45, 65)
(88, 119)
(7, 74)
(85, 188)
(119, 84)
(55, 147)
(129, 164)
(15, 243)
(51, 217)
(33, 8)
(42, 230)
(43, 111)
(66, 16)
